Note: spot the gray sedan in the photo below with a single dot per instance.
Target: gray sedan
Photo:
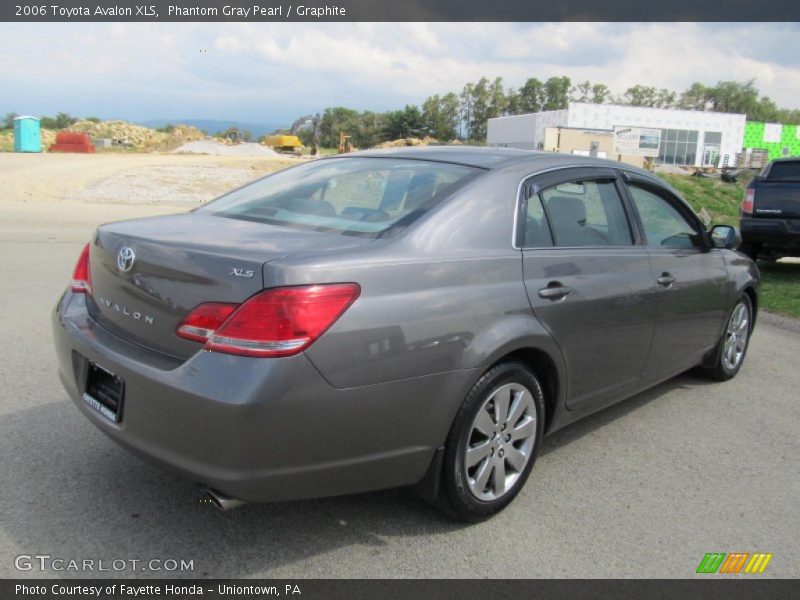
(418, 317)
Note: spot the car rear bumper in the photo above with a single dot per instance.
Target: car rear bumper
(774, 232)
(259, 429)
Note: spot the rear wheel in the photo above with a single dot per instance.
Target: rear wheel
(732, 347)
(493, 442)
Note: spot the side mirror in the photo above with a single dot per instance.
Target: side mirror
(726, 236)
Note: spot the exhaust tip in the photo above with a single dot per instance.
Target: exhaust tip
(221, 501)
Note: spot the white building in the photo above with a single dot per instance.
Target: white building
(688, 137)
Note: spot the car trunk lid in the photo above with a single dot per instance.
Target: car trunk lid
(148, 274)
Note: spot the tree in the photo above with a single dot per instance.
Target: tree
(64, 120)
(600, 93)
(450, 114)
(404, 123)
(695, 97)
(531, 96)
(788, 116)
(640, 95)
(8, 120)
(481, 104)
(512, 101)
(556, 93)
(334, 120)
(440, 115)
(665, 98)
(734, 97)
(498, 102)
(466, 108)
(370, 130)
(581, 92)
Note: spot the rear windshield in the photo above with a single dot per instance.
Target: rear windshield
(785, 170)
(352, 196)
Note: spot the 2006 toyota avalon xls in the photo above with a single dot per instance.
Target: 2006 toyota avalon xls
(419, 317)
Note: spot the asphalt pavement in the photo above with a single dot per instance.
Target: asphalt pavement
(643, 489)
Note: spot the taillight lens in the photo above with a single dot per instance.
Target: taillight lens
(204, 320)
(81, 279)
(276, 322)
(748, 202)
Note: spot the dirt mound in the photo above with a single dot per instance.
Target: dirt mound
(409, 141)
(139, 137)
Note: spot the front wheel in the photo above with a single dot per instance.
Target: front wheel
(732, 346)
(493, 442)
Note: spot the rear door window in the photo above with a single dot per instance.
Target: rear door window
(664, 225)
(586, 213)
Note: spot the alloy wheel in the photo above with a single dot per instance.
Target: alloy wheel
(500, 441)
(736, 337)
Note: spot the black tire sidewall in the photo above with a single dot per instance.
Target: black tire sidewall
(461, 501)
(725, 371)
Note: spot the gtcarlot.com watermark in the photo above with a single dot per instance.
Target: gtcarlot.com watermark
(46, 562)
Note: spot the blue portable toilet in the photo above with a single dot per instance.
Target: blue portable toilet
(27, 136)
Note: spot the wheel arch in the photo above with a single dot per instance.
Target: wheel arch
(542, 364)
(751, 293)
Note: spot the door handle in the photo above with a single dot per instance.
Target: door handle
(554, 291)
(666, 279)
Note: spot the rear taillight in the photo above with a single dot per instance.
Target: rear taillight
(81, 279)
(273, 323)
(204, 320)
(748, 201)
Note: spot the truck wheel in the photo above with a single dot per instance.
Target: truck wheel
(750, 250)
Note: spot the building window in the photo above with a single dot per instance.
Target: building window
(678, 147)
(711, 148)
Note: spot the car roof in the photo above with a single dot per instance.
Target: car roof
(485, 157)
(493, 157)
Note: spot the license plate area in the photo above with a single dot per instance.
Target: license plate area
(104, 392)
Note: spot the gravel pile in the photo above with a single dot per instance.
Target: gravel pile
(216, 149)
(172, 185)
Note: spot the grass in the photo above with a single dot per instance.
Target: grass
(780, 287)
(721, 200)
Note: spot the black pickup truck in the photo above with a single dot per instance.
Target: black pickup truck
(770, 212)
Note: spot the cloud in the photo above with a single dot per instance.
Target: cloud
(275, 71)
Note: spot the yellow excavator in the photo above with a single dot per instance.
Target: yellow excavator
(287, 142)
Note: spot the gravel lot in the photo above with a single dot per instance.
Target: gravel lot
(643, 489)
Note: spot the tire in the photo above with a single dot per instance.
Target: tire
(732, 346)
(502, 451)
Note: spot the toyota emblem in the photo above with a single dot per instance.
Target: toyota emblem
(125, 259)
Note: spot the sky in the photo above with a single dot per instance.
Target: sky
(275, 72)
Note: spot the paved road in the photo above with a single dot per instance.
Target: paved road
(643, 489)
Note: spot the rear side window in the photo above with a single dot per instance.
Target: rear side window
(664, 225)
(537, 231)
(785, 170)
(586, 213)
(353, 196)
